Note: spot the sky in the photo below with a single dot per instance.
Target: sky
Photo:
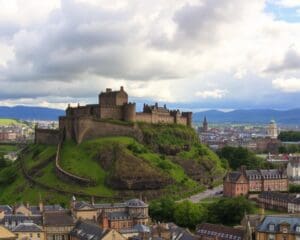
(190, 54)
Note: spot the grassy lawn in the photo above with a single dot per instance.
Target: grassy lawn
(8, 121)
(7, 148)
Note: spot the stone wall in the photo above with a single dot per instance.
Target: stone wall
(86, 128)
(114, 112)
(46, 136)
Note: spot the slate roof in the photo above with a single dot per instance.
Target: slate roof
(27, 227)
(118, 216)
(6, 208)
(47, 208)
(58, 219)
(83, 204)
(293, 221)
(286, 197)
(136, 203)
(234, 176)
(220, 231)
(10, 221)
(88, 231)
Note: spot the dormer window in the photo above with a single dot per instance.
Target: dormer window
(298, 229)
(271, 227)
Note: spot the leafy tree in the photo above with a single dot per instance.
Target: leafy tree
(289, 136)
(162, 210)
(187, 214)
(238, 156)
(229, 211)
(294, 188)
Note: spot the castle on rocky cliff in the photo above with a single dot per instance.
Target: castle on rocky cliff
(86, 122)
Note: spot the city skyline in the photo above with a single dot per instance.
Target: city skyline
(195, 54)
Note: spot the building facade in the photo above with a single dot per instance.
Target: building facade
(293, 169)
(115, 216)
(243, 182)
(279, 228)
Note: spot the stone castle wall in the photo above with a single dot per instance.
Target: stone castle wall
(86, 128)
(46, 136)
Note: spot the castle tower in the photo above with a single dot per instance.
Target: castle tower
(205, 125)
(272, 130)
(189, 116)
(129, 112)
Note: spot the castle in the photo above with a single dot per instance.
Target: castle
(96, 120)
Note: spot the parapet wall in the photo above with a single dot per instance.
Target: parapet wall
(46, 136)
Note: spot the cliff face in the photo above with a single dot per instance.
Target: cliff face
(129, 172)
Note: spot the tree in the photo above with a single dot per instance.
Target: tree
(162, 210)
(229, 211)
(187, 214)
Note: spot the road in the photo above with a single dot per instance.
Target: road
(207, 193)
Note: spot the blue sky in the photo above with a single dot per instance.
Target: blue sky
(191, 54)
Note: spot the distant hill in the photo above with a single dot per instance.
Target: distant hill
(250, 116)
(237, 116)
(30, 113)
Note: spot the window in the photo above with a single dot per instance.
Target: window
(298, 229)
(271, 227)
(38, 235)
(271, 237)
(30, 235)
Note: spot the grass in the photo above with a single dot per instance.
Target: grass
(9, 121)
(38, 154)
(7, 148)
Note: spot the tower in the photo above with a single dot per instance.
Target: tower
(272, 130)
(205, 125)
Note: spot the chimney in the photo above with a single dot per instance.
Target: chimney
(108, 89)
(27, 205)
(93, 200)
(121, 88)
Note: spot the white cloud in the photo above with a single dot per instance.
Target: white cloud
(288, 3)
(216, 93)
(289, 85)
(159, 50)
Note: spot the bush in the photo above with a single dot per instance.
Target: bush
(8, 175)
(294, 188)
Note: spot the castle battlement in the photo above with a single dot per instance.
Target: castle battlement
(114, 105)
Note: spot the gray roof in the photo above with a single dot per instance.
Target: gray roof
(136, 203)
(118, 216)
(10, 221)
(27, 227)
(87, 231)
(234, 176)
(83, 204)
(58, 219)
(293, 222)
(6, 208)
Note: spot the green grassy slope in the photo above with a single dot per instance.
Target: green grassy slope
(104, 159)
(8, 121)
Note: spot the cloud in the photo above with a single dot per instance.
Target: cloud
(289, 85)
(288, 3)
(290, 62)
(216, 93)
(69, 50)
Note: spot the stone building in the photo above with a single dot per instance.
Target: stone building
(293, 169)
(280, 201)
(29, 230)
(89, 231)
(112, 215)
(245, 181)
(207, 231)
(96, 120)
(279, 228)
